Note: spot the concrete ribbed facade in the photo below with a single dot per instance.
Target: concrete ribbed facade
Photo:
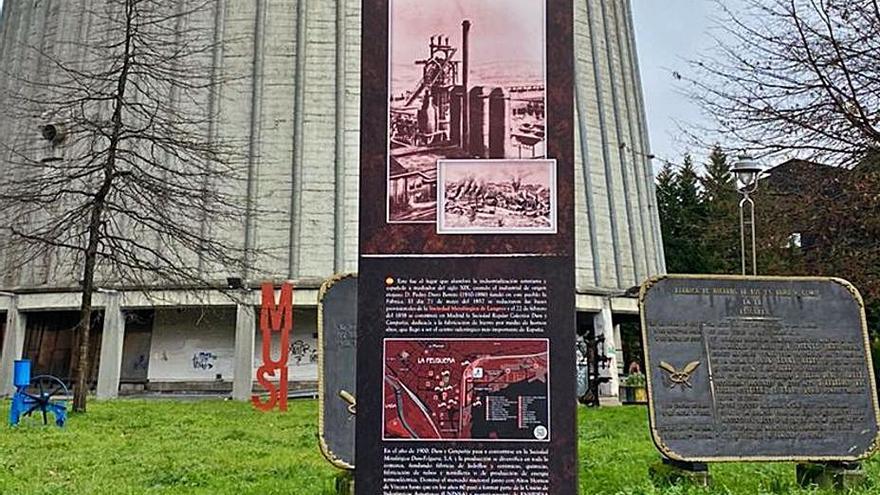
(293, 102)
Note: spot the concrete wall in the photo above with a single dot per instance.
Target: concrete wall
(302, 364)
(293, 101)
(192, 344)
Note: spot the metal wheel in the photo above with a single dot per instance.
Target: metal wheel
(44, 391)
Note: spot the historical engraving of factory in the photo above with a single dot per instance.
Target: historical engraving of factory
(496, 196)
(467, 81)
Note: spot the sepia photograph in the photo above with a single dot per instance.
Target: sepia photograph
(467, 80)
(496, 197)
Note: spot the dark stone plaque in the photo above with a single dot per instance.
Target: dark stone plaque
(764, 368)
(337, 333)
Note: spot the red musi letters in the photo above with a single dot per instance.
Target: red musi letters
(274, 318)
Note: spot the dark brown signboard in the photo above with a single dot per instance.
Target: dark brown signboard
(465, 379)
(337, 371)
(758, 368)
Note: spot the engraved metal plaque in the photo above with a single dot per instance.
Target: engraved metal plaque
(337, 335)
(758, 368)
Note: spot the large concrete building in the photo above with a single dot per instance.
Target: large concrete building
(294, 98)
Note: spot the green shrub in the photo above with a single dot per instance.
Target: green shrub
(634, 380)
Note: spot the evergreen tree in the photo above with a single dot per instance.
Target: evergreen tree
(718, 180)
(693, 220)
(687, 188)
(683, 218)
(720, 201)
(667, 202)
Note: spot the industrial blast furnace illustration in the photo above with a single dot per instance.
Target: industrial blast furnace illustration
(479, 93)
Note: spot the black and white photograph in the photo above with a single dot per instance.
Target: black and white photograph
(497, 197)
(466, 80)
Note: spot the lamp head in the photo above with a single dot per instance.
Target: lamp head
(746, 170)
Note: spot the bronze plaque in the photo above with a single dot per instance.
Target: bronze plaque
(337, 377)
(758, 368)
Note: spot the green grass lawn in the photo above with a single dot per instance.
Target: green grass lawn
(219, 447)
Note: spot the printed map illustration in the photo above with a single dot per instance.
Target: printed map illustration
(466, 389)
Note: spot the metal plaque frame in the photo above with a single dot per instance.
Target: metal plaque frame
(322, 441)
(857, 297)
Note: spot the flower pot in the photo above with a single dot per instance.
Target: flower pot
(640, 395)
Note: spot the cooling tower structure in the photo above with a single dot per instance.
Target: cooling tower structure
(293, 102)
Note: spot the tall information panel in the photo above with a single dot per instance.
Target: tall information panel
(466, 377)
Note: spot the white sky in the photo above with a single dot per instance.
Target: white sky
(668, 34)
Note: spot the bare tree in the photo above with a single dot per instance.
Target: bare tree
(130, 185)
(793, 76)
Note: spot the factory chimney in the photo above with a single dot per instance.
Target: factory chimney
(465, 30)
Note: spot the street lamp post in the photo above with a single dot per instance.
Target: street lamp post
(747, 171)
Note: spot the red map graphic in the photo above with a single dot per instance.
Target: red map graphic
(452, 389)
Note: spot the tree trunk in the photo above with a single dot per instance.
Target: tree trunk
(81, 387)
(97, 212)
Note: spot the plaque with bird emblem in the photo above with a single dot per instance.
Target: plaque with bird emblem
(758, 369)
(676, 377)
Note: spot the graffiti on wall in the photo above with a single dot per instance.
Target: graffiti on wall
(141, 362)
(303, 353)
(203, 360)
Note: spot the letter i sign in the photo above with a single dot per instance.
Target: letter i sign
(274, 318)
